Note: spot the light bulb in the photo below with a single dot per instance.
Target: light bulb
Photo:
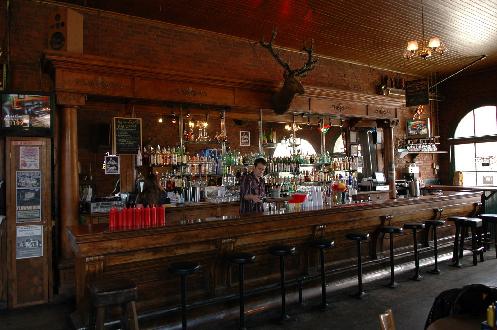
(434, 43)
(412, 46)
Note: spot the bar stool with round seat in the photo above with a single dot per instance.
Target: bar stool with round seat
(183, 269)
(112, 292)
(358, 237)
(488, 219)
(282, 251)
(434, 224)
(241, 259)
(415, 226)
(392, 230)
(462, 225)
(323, 244)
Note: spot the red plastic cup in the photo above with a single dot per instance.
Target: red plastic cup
(153, 216)
(129, 218)
(138, 217)
(146, 217)
(120, 220)
(112, 219)
(161, 212)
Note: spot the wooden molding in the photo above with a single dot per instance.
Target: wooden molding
(95, 75)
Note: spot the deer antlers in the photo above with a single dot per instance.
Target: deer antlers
(300, 72)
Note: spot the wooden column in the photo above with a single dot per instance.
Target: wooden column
(69, 180)
(389, 145)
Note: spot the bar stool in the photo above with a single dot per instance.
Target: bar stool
(323, 244)
(282, 251)
(415, 226)
(106, 293)
(241, 259)
(489, 218)
(462, 224)
(434, 224)
(392, 231)
(183, 269)
(358, 237)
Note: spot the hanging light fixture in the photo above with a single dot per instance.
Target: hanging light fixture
(424, 49)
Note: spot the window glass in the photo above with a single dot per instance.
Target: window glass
(285, 149)
(339, 147)
(486, 178)
(469, 179)
(485, 121)
(466, 126)
(464, 156)
(486, 154)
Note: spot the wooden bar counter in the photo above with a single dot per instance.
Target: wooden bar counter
(144, 255)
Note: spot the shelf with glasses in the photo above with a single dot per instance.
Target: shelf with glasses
(404, 152)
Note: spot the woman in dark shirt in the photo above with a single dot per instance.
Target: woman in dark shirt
(152, 193)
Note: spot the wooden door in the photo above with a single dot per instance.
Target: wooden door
(29, 220)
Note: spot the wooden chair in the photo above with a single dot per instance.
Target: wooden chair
(386, 320)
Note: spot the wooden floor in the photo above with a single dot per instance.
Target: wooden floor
(410, 302)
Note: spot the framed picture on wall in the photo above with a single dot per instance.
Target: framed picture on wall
(354, 149)
(244, 138)
(112, 164)
(418, 128)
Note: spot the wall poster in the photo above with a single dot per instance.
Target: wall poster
(112, 165)
(28, 196)
(244, 138)
(29, 241)
(29, 158)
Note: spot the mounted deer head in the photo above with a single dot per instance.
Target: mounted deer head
(281, 100)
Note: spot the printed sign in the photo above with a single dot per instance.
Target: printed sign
(29, 158)
(29, 241)
(111, 164)
(28, 196)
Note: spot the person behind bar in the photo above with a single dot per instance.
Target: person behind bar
(152, 193)
(253, 189)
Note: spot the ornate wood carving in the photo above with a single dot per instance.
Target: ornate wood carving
(87, 74)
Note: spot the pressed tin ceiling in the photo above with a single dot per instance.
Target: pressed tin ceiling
(369, 32)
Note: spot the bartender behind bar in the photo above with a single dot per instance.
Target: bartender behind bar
(253, 189)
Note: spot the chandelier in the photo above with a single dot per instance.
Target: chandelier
(424, 49)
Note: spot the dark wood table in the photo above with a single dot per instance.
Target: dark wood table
(456, 323)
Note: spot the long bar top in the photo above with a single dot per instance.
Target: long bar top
(144, 255)
(88, 233)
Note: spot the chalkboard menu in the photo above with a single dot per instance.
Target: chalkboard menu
(416, 92)
(127, 135)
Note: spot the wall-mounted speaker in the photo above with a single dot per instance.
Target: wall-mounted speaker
(66, 31)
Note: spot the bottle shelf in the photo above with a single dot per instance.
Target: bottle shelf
(203, 142)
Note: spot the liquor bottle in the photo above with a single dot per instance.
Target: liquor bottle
(139, 157)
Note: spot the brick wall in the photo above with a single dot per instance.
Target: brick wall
(172, 48)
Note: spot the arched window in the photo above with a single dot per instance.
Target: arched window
(285, 148)
(339, 147)
(475, 147)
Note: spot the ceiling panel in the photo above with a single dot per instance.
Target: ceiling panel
(374, 33)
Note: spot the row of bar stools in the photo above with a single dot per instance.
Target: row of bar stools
(282, 251)
(183, 269)
(415, 226)
(241, 259)
(490, 219)
(359, 237)
(392, 230)
(434, 224)
(120, 292)
(323, 244)
(462, 225)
